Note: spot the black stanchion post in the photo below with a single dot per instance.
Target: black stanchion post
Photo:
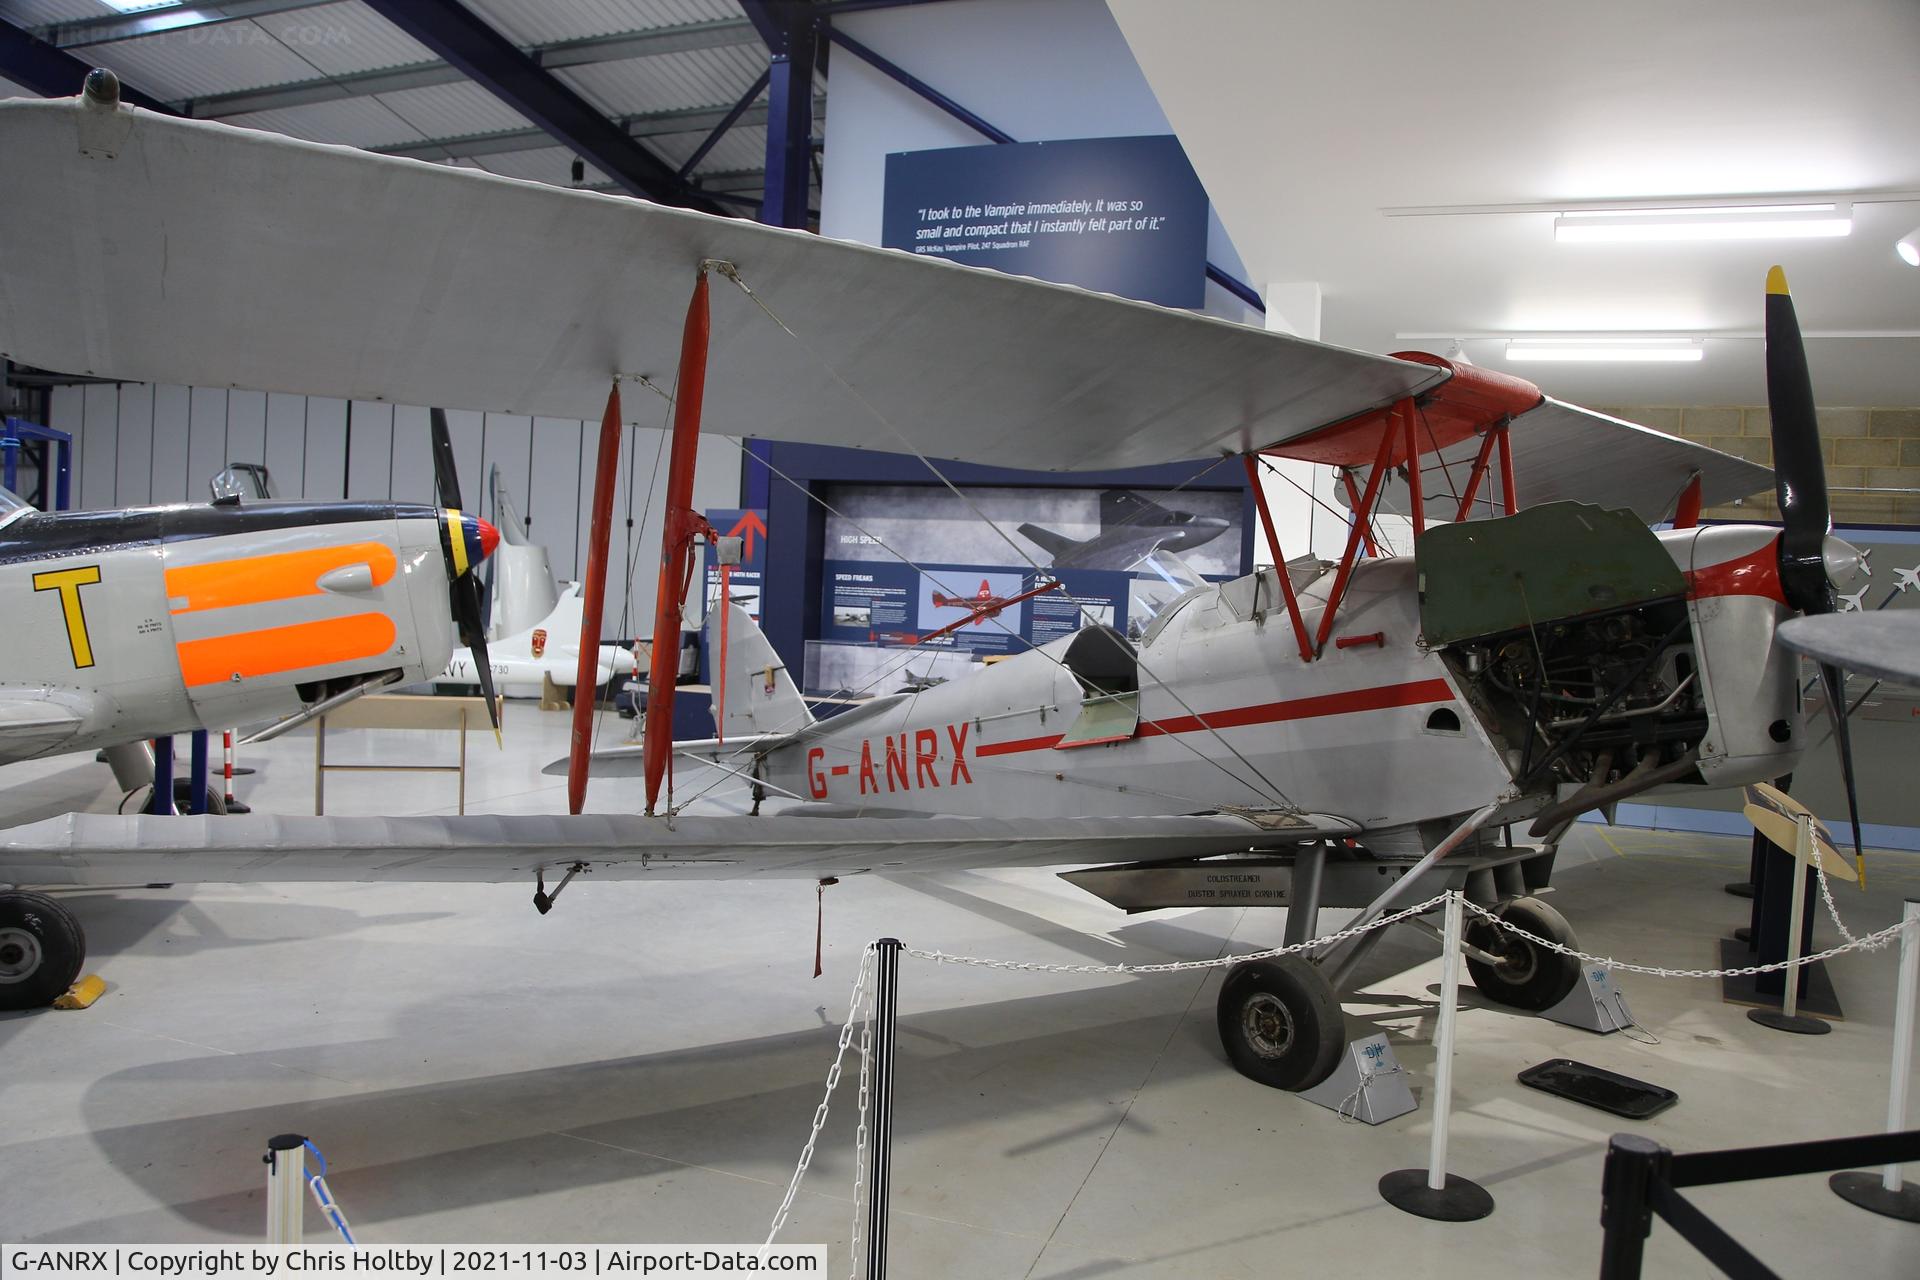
(886, 1003)
(1633, 1162)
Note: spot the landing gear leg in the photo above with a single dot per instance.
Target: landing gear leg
(1280, 1022)
(41, 950)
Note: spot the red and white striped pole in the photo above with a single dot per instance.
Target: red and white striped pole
(226, 763)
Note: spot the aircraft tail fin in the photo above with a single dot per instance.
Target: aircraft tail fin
(760, 697)
(1054, 544)
(506, 517)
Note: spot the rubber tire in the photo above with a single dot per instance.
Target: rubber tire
(135, 801)
(183, 797)
(63, 949)
(1547, 976)
(1319, 1026)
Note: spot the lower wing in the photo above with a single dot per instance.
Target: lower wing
(103, 849)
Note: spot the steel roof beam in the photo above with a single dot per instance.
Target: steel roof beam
(793, 36)
(651, 125)
(496, 64)
(28, 60)
(106, 29)
(565, 53)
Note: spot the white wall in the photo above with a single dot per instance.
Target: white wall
(1040, 70)
(136, 444)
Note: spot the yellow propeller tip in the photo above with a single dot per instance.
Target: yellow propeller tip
(1776, 280)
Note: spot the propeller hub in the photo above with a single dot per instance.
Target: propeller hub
(469, 541)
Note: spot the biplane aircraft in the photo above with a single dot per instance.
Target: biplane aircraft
(1354, 734)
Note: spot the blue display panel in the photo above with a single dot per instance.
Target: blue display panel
(917, 580)
(1123, 215)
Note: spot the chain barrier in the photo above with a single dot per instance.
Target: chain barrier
(1833, 909)
(860, 1009)
(1184, 966)
(833, 1082)
(1872, 942)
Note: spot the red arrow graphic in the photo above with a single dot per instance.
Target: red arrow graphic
(751, 523)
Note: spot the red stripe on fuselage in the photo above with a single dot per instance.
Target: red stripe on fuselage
(1384, 697)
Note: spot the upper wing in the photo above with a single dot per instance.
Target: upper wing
(1561, 451)
(190, 251)
(100, 849)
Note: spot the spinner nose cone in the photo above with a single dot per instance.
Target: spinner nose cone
(469, 540)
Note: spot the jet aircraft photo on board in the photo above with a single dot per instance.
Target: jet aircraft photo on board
(1359, 734)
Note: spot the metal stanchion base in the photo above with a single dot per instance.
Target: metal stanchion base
(1461, 1200)
(1869, 1192)
(1741, 888)
(1799, 1024)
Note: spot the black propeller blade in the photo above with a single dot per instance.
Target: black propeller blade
(463, 591)
(1800, 482)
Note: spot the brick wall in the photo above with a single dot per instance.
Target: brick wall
(1865, 449)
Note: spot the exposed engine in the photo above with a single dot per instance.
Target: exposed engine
(1612, 701)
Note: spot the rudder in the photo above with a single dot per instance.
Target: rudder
(760, 697)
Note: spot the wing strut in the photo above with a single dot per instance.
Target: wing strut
(1478, 471)
(1361, 515)
(1279, 560)
(593, 601)
(681, 525)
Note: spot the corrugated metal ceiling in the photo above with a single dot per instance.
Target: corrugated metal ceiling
(668, 82)
(547, 21)
(452, 110)
(340, 39)
(33, 13)
(357, 122)
(344, 38)
(204, 60)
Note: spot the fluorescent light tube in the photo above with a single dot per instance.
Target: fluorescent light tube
(138, 6)
(1730, 222)
(1605, 351)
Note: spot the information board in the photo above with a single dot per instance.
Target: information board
(1125, 216)
(918, 582)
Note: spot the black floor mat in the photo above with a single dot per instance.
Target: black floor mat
(1597, 1087)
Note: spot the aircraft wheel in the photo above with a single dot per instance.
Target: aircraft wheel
(41, 950)
(136, 800)
(1280, 1023)
(1527, 977)
(183, 797)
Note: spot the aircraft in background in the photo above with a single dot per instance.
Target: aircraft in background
(1358, 734)
(1130, 527)
(547, 651)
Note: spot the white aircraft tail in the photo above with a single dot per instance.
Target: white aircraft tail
(760, 697)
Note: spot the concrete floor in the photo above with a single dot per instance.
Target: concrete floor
(642, 1064)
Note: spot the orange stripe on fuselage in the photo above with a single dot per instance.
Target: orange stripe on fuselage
(271, 650)
(285, 575)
